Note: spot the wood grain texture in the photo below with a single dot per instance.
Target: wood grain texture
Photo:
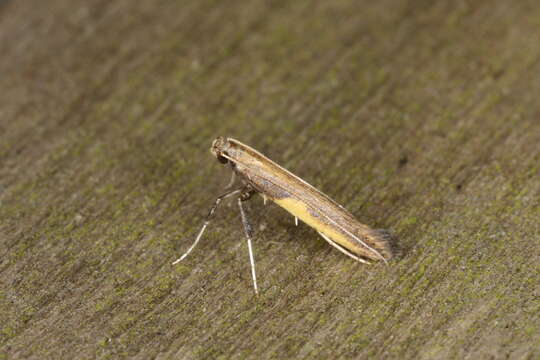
(427, 114)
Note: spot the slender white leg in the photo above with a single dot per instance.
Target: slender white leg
(296, 221)
(247, 231)
(231, 182)
(206, 222)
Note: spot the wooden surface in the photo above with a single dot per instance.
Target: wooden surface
(420, 117)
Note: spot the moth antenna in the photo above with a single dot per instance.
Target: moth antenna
(206, 222)
(342, 249)
(358, 239)
(247, 231)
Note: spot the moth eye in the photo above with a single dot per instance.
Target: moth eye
(222, 159)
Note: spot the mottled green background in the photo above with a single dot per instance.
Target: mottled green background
(418, 116)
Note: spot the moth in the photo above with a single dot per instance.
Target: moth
(259, 174)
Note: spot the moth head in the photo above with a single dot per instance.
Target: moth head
(219, 147)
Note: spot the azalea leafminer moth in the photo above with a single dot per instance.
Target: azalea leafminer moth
(259, 174)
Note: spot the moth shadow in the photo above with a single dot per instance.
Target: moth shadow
(398, 248)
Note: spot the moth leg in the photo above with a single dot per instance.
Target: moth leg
(296, 221)
(248, 192)
(206, 222)
(342, 249)
(231, 182)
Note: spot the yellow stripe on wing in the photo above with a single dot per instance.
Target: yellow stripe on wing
(300, 210)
